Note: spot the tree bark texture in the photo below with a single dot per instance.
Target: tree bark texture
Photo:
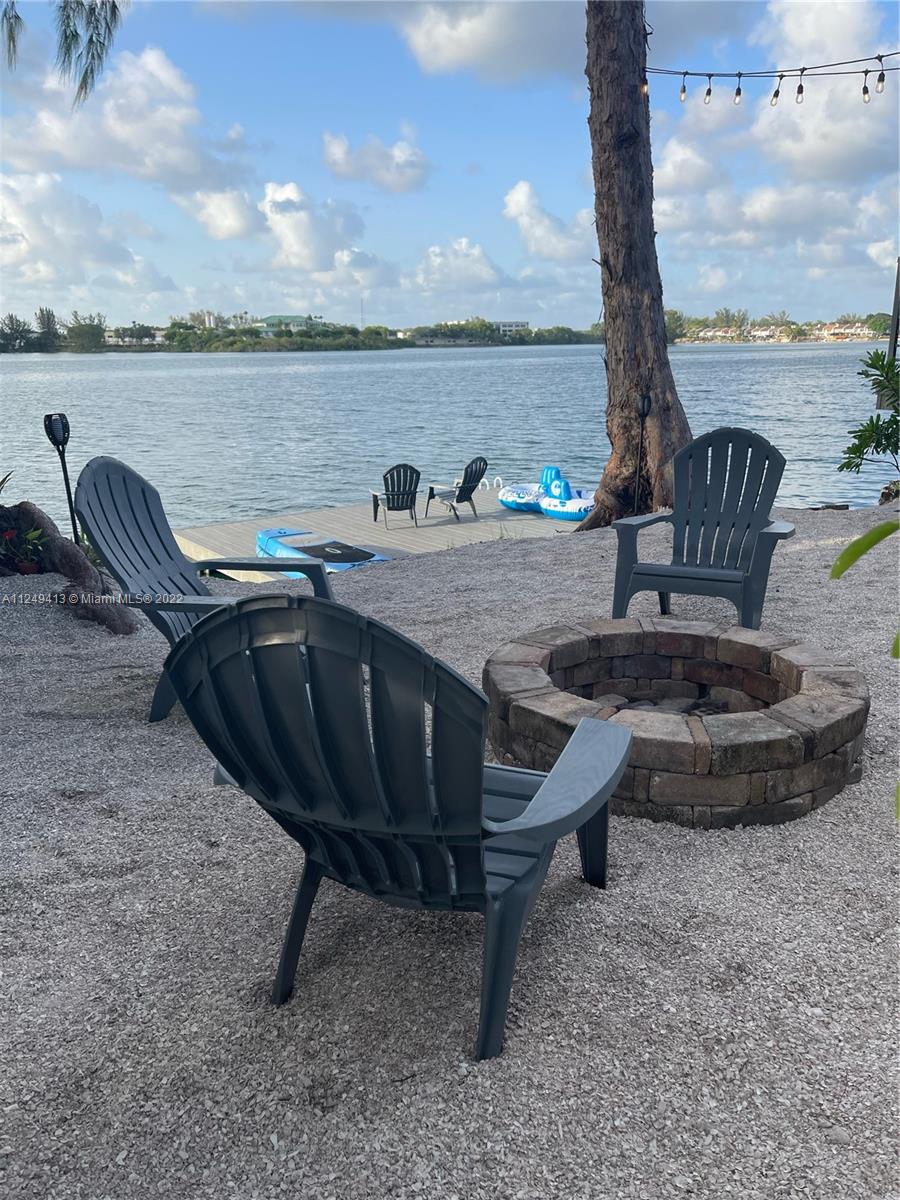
(637, 359)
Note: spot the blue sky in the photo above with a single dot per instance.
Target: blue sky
(432, 159)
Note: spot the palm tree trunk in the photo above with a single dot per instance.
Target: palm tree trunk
(637, 360)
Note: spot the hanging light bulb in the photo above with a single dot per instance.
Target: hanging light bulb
(682, 95)
(708, 96)
(866, 96)
(799, 96)
(737, 90)
(645, 87)
(777, 92)
(879, 82)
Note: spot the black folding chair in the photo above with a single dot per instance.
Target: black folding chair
(401, 488)
(459, 493)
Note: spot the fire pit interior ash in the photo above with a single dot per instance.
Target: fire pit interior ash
(732, 726)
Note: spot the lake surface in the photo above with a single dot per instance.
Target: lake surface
(227, 436)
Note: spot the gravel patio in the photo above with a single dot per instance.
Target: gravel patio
(719, 1023)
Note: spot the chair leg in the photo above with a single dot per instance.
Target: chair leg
(293, 938)
(593, 839)
(164, 698)
(505, 918)
(375, 509)
(429, 500)
(412, 513)
(750, 611)
(473, 508)
(665, 604)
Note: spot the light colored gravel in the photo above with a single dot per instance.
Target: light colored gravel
(719, 1023)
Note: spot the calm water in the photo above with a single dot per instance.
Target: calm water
(225, 436)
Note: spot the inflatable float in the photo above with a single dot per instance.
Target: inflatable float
(303, 543)
(553, 496)
(566, 503)
(527, 497)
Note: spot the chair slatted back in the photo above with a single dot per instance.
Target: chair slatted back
(401, 483)
(472, 476)
(725, 486)
(126, 524)
(320, 714)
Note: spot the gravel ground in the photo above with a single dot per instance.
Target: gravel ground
(719, 1023)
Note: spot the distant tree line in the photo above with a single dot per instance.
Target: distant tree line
(679, 326)
(81, 333)
(86, 332)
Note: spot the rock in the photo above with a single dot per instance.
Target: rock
(890, 492)
(61, 556)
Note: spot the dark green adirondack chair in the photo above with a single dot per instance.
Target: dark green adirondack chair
(321, 716)
(723, 536)
(125, 522)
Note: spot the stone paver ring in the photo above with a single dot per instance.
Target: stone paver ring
(732, 726)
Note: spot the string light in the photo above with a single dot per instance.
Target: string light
(798, 73)
(866, 96)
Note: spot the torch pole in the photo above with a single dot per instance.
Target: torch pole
(643, 412)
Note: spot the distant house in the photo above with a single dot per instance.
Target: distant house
(505, 328)
(269, 326)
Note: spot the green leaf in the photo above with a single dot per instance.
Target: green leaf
(861, 545)
(895, 649)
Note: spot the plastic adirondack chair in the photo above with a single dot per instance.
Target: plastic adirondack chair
(460, 493)
(723, 534)
(401, 487)
(125, 522)
(320, 715)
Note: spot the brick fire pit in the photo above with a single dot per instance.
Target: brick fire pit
(731, 726)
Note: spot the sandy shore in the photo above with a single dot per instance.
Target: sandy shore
(719, 1023)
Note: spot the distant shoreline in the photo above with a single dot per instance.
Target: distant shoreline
(454, 345)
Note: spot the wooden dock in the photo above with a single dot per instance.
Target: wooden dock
(353, 523)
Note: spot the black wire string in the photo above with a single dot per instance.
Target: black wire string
(815, 72)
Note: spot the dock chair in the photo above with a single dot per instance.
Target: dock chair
(401, 488)
(723, 535)
(462, 492)
(125, 522)
(320, 715)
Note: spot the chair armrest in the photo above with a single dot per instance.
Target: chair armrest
(313, 569)
(779, 530)
(583, 778)
(168, 603)
(636, 524)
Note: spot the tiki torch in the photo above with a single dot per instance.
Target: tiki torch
(56, 427)
(643, 413)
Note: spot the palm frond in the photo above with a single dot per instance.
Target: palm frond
(85, 31)
(11, 26)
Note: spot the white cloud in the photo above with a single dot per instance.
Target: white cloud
(883, 254)
(141, 121)
(683, 168)
(225, 215)
(545, 235)
(507, 40)
(712, 278)
(402, 167)
(459, 266)
(307, 234)
(833, 136)
(53, 237)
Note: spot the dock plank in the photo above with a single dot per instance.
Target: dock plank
(353, 523)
